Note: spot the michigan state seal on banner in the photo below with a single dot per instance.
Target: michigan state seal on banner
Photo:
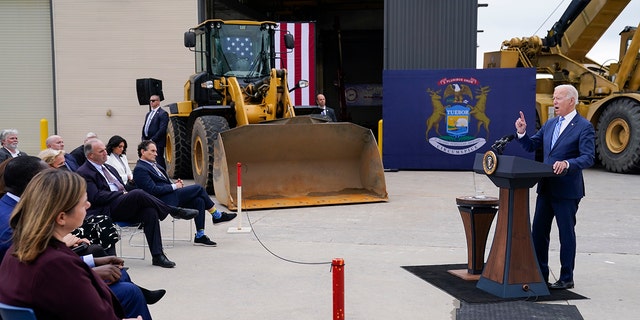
(459, 105)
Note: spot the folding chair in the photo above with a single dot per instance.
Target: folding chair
(8, 312)
(173, 238)
(131, 229)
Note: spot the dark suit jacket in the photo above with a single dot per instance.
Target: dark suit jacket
(149, 180)
(70, 162)
(157, 128)
(331, 114)
(98, 192)
(5, 154)
(576, 144)
(78, 154)
(57, 285)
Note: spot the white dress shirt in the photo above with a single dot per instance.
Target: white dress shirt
(122, 165)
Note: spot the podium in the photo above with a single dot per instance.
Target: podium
(512, 270)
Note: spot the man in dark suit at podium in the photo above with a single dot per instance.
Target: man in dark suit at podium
(568, 144)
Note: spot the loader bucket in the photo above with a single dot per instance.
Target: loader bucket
(298, 162)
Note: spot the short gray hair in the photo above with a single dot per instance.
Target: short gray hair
(570, 90)
(7, 132)
(90, 135)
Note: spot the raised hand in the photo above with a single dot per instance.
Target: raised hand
(521, 124)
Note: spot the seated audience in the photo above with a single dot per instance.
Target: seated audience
(41, 272)
(132, 297)
(108, 196)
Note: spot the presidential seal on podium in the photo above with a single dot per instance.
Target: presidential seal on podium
(489, 162)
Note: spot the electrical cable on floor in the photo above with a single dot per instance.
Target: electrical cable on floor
(532, 295)
(253, 230)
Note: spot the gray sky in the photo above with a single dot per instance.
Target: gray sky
(506, 19)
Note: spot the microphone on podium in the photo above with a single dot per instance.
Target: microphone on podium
(499, 145)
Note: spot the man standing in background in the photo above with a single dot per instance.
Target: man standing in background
(326, 112)
(155, 127)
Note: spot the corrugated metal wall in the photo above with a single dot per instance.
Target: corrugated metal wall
(430, 34)
(26, 69)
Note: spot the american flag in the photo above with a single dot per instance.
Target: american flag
(241, 46)
(301, 63)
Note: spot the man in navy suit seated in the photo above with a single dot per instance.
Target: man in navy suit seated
(107, 195)
(152, 178)
(568, 144)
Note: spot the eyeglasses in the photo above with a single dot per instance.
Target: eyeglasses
(154, 100)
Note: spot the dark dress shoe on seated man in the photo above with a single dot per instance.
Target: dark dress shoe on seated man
(162, 261)
(152, 296)
(182, 213)
(224, 217)
(561, 285)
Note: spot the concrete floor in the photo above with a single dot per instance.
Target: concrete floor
(419, 225)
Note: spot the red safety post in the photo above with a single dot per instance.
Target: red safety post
(239, 168)
(337, 267)
(239, 228)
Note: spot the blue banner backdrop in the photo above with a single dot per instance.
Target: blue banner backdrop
(439, 119)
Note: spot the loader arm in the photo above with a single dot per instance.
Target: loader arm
(589, 25)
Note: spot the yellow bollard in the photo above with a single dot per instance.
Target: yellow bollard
(380, 137)
(44, 133)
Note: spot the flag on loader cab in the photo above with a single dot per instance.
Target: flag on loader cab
(301, 63)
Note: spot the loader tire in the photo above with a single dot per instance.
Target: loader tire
(618, 136)
(205, 131)
(177, 153)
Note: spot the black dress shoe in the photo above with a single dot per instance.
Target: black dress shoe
(183, 213)
(224, 217)
(154, 296)
(561, 285)
(162, 261)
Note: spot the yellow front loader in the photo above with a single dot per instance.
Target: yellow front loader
(237, 109)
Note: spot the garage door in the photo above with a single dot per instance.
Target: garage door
(26, 69)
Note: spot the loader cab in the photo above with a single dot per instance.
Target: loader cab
(242, 49)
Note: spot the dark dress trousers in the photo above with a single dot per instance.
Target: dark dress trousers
(134, 206)
(559, 196)
(159, 185)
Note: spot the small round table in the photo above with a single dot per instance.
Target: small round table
(477, 216)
